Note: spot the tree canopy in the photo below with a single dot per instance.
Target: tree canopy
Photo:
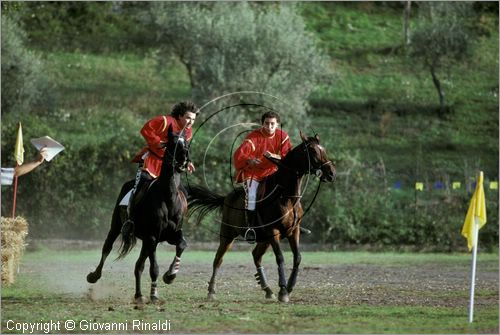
(23, 84)
(441, 38)
(234, 47)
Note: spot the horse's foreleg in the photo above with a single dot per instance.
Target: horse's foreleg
(293, 240)
(259, 250)
(139, 267)
(224, 245)
(280, 260)
(153, 273)
(170, 275)
(113, 233)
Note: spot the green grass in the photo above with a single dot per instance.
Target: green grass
(50, 256)
(347, 29)
(50, 286)
(140, 84)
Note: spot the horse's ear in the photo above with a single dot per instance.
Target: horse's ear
(302, 136)
(316, 137)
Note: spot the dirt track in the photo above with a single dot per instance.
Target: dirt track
(368, 284)
(347, 285)
(403, 286)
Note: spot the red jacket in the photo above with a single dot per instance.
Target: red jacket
(254, 146)
(154, 132)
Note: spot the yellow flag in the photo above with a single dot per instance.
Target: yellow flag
(19, 150)
(476, 212)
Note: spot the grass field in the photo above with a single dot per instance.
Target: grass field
(337, 292)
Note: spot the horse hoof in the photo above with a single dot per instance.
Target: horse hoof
(270, 296)
(283, 295)
(139, 300)
(93, 277)
(154, 300)
(168, 279)
(211, 297)
(284, 298)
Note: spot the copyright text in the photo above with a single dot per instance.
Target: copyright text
(86, 325)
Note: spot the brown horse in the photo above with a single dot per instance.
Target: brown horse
(279, 212)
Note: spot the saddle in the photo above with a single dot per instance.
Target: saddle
(143, 186)
(261, 190)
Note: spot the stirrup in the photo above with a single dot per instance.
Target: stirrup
(250, 236)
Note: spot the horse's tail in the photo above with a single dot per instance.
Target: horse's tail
(203, 201)
(128, 243)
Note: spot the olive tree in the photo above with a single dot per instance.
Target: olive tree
(441, 39)
(23, 84)
(232, 47)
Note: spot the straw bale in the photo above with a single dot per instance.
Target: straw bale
(13, 235)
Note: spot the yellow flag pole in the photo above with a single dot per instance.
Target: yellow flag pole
(473, 274)
(15, 197)
(474, 220)
(19, 156)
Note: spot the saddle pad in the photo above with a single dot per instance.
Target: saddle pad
(125, 200)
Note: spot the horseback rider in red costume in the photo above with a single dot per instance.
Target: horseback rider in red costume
(155, 132)
(250, 163)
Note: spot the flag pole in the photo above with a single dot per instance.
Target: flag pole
(15, 197)
(19, 156)
(473, 275)
(474, 220)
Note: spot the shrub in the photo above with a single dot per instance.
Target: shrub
(240, 47)
(23, 82)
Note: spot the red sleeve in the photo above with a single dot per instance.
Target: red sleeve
(243, 154)
(152, 133)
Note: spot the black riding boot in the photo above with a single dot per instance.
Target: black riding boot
(141, 178)
(128, 225)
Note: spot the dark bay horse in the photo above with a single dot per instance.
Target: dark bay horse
(157, 217)
(280, 212)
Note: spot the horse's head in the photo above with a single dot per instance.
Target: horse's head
(316, 159)
(177, 150)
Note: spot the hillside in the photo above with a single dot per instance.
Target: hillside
(384, 105)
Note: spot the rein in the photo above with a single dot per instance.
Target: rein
(171, 158)
(317, 171)
(326, 163)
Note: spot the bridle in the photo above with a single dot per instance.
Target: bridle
(171, 157)
(317, 171)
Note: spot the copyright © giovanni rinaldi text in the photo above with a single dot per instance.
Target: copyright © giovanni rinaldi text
(86, 325)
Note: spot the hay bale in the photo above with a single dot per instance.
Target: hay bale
(13, 235)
